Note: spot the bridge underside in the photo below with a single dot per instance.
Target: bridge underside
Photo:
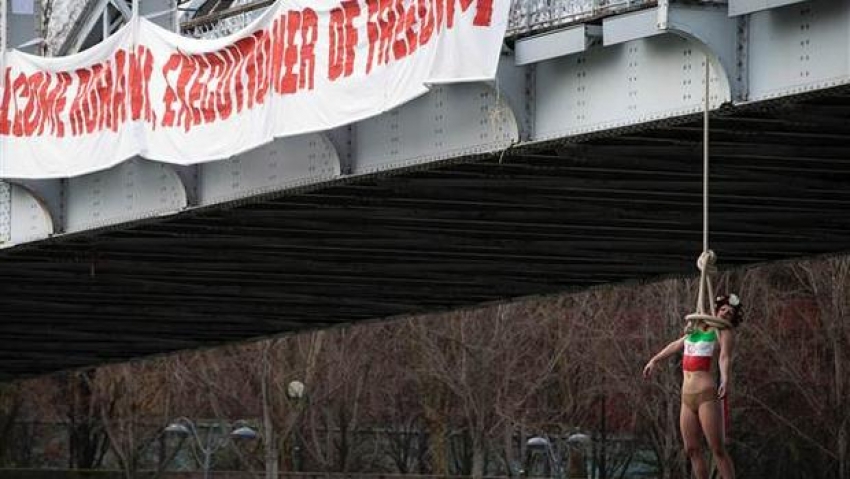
(542, 219)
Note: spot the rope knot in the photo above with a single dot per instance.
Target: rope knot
(705, 312)
(706, 262)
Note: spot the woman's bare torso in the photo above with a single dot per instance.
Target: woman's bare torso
(698, 381)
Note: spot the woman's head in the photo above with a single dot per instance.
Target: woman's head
(729, 307)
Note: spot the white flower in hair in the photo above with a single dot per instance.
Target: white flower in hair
(734, 300)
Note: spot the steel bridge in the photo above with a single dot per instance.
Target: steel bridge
(579, 166)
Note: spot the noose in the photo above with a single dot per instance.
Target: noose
(706, 310)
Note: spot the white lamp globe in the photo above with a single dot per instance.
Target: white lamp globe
(295, 390)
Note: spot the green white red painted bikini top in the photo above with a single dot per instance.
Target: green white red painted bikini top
(699, 350)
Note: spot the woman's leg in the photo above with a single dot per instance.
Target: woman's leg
(711, 417)
(689, 424)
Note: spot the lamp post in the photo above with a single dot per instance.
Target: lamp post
(541, 445)
(578, 443)
(216, 438)
(295, 391)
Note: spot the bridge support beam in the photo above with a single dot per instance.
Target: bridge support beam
(450, 121)
(743, 7)
(557, 43)
(630, 83)
(131, 191)
(799, 48)
(708, 25)
(23, 216)
(282, 164)
(647, 68)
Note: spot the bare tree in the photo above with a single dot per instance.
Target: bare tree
(11, 405)
(217, 388)
(796, 378)
(828, 281)
(297, 359)
(79, 407)
(134, 407)
(491, 364)
(618, 330)
(342, 373)
(396, 405)
(460, 392)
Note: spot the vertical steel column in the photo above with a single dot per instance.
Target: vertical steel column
(105, 20)
(5, 188)
(4, 31)
(663, 14)
(5, 211)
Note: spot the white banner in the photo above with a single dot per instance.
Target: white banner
(303, 66)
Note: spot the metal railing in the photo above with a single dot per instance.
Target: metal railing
(529, 16)
(526, 16)
(225, 22)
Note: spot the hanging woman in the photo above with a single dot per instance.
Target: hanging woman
(705, 344)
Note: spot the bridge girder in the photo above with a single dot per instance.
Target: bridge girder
(648, 68)
(579, 170)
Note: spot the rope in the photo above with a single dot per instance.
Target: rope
(707, 260)
(705, 160)
(706, 308)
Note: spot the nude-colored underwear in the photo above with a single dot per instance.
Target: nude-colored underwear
(693, 401)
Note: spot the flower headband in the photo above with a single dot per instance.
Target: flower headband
(732, 300)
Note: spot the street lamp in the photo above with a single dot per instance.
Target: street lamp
(295, 391)
(216, 438)
(578, 443)
(244, 432)
(541, 444)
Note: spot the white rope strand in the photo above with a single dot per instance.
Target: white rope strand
(706, 307)
(705, 159)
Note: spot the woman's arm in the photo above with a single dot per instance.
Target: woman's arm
(668, 350)
(727, 341)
